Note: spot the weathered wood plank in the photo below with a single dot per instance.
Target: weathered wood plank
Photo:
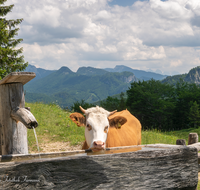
(193, 138)
(199, 158)
(173, 168)
(13, 134)
(181, 142)
(25, 116)
(15, 77)
(16, 95)
(6, 141)
(196, 145)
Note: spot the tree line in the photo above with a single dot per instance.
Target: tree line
(163, 106)
(158, 105)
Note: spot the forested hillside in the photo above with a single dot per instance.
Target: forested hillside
(174, 79)
(65, 87)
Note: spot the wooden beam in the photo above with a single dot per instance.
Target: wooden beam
(196, 145)
(147, 169)
(18, 77)
(180, 142)
(193, 138)
(25, 116)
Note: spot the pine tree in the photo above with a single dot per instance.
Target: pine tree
(10, 58)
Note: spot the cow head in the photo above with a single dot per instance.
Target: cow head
(97, 125)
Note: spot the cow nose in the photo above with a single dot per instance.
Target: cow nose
(98, 143)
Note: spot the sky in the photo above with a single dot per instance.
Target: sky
(152, 35)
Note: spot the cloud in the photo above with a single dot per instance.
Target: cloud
(154, 34)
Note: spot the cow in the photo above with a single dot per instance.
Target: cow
(107, 129)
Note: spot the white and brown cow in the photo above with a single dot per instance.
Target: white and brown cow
(108, 129)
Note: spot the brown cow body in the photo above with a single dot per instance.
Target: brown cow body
(129, 133)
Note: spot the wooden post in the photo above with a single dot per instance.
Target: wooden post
(13, 131)
(193, 138)
(180, 142)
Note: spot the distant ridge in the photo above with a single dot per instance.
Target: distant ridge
(91, 71)
(40, 73)
(141, 75)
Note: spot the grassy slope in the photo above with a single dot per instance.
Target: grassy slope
(154, 136)
(54, 125)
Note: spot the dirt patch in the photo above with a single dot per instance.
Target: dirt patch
(56, 147)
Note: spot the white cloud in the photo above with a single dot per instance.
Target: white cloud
(170, 9)
(192, 4)
(176, 63)
(151, 34)
(44, 15)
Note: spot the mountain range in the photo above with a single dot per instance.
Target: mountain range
(64, 86)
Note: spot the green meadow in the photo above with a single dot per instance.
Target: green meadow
(55, 125)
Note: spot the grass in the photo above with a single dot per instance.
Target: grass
(54, 125)
(155, 136)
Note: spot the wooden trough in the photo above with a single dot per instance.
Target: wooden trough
(147, 167)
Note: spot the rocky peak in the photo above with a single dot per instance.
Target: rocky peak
(193, 75)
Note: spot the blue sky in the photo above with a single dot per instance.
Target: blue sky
(161, 36)
(124, 3)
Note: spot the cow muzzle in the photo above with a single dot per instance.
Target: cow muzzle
(98, 145)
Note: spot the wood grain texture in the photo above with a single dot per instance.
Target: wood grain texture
(173, 168)
(15, 77)
(181, 142)
(25, 116)
(13, 135)
(192, 138)
(196, 145)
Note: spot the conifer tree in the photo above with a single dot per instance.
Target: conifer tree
(194, 115)
(11, 59)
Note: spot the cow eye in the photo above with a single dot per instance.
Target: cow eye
(89, 127)
(106, 129)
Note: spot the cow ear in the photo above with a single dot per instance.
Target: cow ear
(117, 122)
(78, 118)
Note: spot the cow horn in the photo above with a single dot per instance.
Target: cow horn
(83, 110)
(111, 113)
